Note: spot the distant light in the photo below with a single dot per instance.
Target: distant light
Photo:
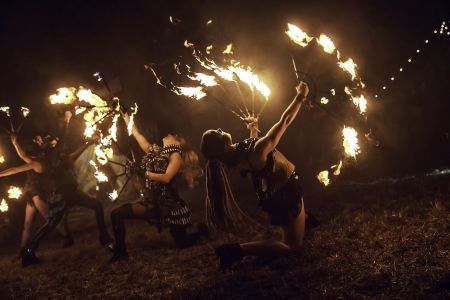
(448, 32)
(376, 96)
(446, 27)
(392, 78)
(384, 87)
(418, 50)
(426, 41)
(401, 69)
(409, 60)
(435, 31)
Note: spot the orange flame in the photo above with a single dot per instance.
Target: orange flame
(113, 195)
(14, 192)
(323, 178)
(326, 43)
(349, 66)
(298, 36)
(25, 111)
(350, 142)
(3, 206)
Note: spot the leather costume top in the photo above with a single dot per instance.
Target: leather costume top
(162, 198)
(276, 185)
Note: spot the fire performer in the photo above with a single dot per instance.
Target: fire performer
(38, 188)
(160, 203)
(58, 166)
(276, 183)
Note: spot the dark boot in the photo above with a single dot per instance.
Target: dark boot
(229, 254)
(28, 257)
(68, 241)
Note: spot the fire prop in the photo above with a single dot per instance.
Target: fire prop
(7, 110)
(355, 94)
(14, 192)
(238, 76)
(3, 206)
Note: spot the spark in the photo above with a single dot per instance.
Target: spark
(298, 36)
(209, 22)
(14, 192)
(3, 206)
(333, 92)
(208, 49)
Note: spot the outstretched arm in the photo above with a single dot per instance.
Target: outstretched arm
(140, 139)
(268, 142)
(252, 126)
(22, 154)
(172, 169)
(33, 165)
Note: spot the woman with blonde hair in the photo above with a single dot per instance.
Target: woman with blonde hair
(160, 203)
(275, 181)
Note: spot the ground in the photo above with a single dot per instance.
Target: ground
(385, 240)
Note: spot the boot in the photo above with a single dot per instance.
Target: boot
(119, 254)
(28, 257)
(229, 254)
(68, 241)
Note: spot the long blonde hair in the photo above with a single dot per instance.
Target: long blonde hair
(190, 168)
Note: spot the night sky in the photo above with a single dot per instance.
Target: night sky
(49, 44)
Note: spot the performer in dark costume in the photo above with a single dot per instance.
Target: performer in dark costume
(37, 191)
(160, 203)
(275, 181)
(63, 186)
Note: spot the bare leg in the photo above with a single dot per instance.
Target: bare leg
(292, 240)
(30, 213)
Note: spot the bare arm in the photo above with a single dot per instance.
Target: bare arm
(268, 142)
(172, 169)
(33, 165)
(22, 154)
(252, 126)
(140, 139)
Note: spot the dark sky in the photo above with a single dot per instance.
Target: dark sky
(48, 44)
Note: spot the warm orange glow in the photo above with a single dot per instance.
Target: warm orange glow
(131, 123)
(228, 49)
(113, 195)
(323, 178)
(298, 36)
(350, 142)
(14, 192)
(349, 66)
(25, 111)
(338, 167)
(3, 206)
(326, 43)
(205, 80)
(196, 93)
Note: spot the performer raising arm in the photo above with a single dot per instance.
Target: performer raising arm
(275, 181)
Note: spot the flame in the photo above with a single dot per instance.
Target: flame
(131, 123)
(113, 129)
(298, 36)
(359, 101)
(196, 93)
(2, 159)
(14, 192)
(209, 22)
(326, 43)
(3, 206)
(5, 109)
(79, 110)
(113, 195)
(188, 44)
(324, 100)
(208, 49)
(101, 177)
(350, 142)
(63, 96)
(205, 80)
(228, 49)
(349, 66)
(251, 79)
(333, 92)
(338, 167)
(323, 178)
(25, 111)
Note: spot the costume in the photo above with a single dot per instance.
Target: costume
(283, 202)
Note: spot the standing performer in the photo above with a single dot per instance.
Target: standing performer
(274, 179)
(63, 187)
(160, 203)
(37, 190)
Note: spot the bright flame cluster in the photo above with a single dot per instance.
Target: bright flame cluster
(2, 159)
(3, 206)
(6, 110)
(14, 192)
(350, 142)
